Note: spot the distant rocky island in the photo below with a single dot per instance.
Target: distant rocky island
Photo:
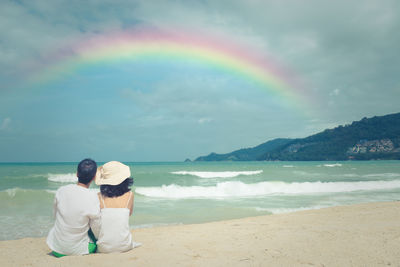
(376, 138)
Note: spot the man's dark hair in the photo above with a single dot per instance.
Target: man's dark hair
(86, 170)
(116, 190)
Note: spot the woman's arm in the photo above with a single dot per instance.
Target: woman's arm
(55, 207)
(130, 204)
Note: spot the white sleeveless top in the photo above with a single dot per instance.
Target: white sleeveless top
(115, 235)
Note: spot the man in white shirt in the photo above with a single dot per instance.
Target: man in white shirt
(77, 214)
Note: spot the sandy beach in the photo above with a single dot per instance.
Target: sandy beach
(358, 235)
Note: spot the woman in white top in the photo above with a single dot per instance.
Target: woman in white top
(116, 206)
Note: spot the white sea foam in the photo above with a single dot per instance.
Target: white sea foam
(350, 175)
(239, 189)
(17, 191)
(62, 177)
(333, 165)
(307, 174)
(12, 191)
(385, 175)
(289, 210)
(224, 174)
(287, 166)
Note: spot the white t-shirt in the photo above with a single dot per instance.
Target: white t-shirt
(76, 209)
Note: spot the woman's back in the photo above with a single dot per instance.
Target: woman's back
(115, 235)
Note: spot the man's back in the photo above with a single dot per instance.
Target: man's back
(74, 207)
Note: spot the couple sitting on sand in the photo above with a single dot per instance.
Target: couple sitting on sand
(86, 222)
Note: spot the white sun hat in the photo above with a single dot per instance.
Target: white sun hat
(112, 173)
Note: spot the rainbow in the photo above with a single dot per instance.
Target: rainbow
(156, 44)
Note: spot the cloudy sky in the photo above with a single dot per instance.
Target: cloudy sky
(346, 54)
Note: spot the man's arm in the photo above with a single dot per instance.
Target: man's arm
(95, 224)
(95, 220)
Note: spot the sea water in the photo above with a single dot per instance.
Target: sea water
(197, 192)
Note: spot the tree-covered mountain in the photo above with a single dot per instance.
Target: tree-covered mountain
(247, 154)
(373, 138)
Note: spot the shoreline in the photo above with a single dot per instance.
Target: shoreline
(354, 235)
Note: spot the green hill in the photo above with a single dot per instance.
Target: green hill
(373, 138)
(247, 154)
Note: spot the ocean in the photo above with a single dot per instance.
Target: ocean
(170, 193)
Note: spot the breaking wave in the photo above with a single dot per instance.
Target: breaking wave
(62, 177)
(333, 165)
(289, 210)
(239, 189)
(27, 194)
(224, 174)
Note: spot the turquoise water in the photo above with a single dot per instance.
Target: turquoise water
(182, 193)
